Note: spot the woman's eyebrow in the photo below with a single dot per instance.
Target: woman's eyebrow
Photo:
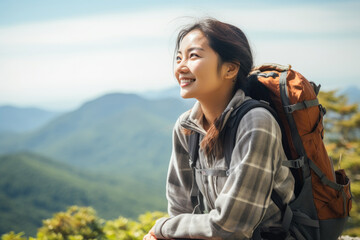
(193, 48)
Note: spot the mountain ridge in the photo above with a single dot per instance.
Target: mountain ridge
(23, 119)
(33, 187)
(121, 136)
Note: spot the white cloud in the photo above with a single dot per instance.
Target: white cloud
(306, 20)
(83, 57)
(84, 75)
(157, 24)
(93, 29)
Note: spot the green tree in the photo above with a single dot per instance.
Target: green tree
(76, 223)
(123, 228)
(342, 129)
(79, 223)
(13, 236)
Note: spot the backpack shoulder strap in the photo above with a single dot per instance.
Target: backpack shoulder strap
(229, 144)
(195, 194)
(193, 145)
(229, 141)
(234, 121)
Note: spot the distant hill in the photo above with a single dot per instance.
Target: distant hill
(116, 132)
(15, 119)
(172, 92)
(33, 187)
(123, 140)
(353, 94)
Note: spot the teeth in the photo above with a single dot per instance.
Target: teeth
(187, 80)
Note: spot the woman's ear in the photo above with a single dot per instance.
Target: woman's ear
(232, 70)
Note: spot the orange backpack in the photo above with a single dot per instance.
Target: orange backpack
(322, 197)
(321, 194)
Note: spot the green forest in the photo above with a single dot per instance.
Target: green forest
(78, 219)
(33, 187)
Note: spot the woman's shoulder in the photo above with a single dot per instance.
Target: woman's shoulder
(259, 113)
(259, 117)
(179, 128)
(179, 131)
(182, 118)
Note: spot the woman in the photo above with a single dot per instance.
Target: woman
(212, 64)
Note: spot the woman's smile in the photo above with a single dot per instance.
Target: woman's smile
(196, 68)
(186, 81)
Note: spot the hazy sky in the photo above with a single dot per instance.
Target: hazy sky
(58, 54)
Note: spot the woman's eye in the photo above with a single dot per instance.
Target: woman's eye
(193, 55)
(178, 59)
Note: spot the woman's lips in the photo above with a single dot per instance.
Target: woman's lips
(186, 82)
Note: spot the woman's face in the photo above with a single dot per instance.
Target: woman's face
(196, 68)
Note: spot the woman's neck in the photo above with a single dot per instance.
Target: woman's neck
(212, 108)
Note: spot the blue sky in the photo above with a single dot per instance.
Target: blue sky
(58, 54)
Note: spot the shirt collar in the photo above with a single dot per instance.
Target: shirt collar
(195, 117)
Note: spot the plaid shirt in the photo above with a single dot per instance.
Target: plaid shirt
(239, 203)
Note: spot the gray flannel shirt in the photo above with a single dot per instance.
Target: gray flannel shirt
(239, 203)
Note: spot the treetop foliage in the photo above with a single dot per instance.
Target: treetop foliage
(78, 223)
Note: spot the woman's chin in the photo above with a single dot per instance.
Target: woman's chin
(185, 94)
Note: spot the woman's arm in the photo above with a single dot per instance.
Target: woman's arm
(242, 203)
(180, 176)
(179, 179)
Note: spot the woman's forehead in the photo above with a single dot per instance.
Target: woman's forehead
(195, 38)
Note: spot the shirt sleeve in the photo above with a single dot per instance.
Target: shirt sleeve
(180, 176)
(242, 203)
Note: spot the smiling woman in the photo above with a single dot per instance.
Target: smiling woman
(220, 63)
(196, 69)
(213, 60)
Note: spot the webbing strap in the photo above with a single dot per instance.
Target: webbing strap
(316, 87)
(324, 179)
(194, 194)
(193, 148)
(297, 163)
(213, 172)
(294, 132)
(193, 155)
(287, 218)
(301, 105)
(286, 211)
(304, 219)
(297, 233)
(344, 200)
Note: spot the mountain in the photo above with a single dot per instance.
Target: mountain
(121, 143)
(352, 93)
(172, 92)
(123, 138)
(115, 132)
(15, 119)
(33, 187)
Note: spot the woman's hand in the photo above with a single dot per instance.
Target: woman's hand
(150, 235)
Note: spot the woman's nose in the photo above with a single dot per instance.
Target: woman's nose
(182, 67)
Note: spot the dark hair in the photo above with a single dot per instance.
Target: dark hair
(228, 41)
(231, 44)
